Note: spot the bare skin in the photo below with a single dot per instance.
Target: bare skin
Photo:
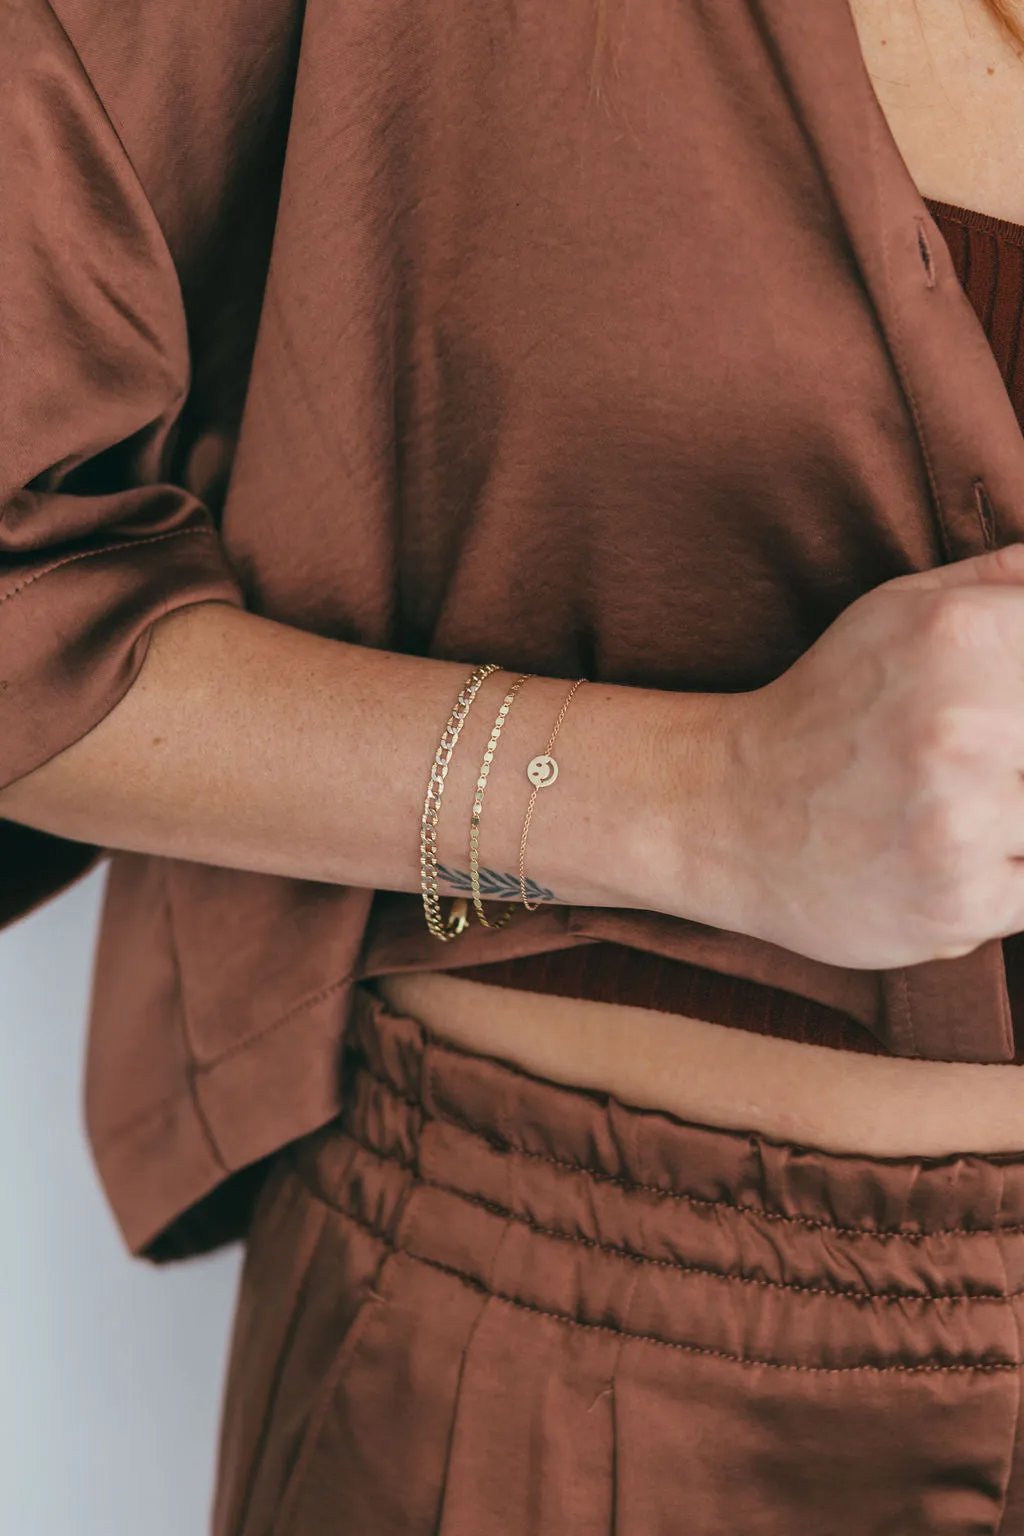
(952, 89)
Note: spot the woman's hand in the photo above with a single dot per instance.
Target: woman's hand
(882, 800)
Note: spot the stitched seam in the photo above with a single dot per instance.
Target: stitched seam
(908, 1011)
(1004, 1015)
(108, 549)
(241, 1046)
(985, 518)
(698, 1201)
(163, 1108)
(716, 1274)
(1015, 1432)
(182, 1015)
(896, 345)
(926, 252)
(629, 1255)
(689, 1349)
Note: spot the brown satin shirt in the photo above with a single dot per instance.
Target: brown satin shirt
(375, 320)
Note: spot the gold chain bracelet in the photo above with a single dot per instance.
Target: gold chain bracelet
(478, 805)
(458, 918)
(541, 771)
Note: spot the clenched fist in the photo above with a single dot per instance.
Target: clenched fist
(883, 803)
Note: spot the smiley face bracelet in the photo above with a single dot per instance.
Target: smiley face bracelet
(542, 771)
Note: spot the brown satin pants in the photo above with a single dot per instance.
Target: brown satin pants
(480, 1304)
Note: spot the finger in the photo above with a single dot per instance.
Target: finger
(996, 567)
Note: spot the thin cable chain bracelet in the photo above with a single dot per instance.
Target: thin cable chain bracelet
(478, 805)
(540, 774)
(458, 919)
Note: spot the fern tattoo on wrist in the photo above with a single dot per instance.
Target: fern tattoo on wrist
(493, 885)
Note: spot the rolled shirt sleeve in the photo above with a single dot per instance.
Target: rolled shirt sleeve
(96, 539)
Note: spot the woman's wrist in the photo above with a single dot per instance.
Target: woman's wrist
(690, 854)
(644, 813)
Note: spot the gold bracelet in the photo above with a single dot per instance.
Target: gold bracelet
(458, 918)
(478, 805)
(541, 771)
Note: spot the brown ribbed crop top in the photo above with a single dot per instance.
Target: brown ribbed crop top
(988, 255)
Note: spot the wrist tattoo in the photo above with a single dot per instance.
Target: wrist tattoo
(493, 884)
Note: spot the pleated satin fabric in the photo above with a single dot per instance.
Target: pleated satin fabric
(482, 1303)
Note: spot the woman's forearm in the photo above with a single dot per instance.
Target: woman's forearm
(249, 744)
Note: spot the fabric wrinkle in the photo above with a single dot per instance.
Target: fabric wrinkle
(599, 1318)
(511, 423)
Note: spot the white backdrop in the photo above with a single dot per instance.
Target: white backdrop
(110, 1369)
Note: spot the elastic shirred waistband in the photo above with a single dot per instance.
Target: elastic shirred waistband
(726, 1243)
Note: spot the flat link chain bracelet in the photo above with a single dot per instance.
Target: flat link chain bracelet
(458, 918)
(478, 805)
(541, 771)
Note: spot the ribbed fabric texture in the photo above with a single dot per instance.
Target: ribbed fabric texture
(615, 973)
(988, 254)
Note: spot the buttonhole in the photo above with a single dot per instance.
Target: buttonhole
(925, 251)
(986, 514)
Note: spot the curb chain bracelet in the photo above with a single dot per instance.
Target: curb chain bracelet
(458, 918)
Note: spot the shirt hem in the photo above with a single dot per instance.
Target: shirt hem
(276, 1087)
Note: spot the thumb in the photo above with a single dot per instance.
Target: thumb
(996, 567)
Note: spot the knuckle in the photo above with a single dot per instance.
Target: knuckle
(1009, 558)
(954, 951)
(953, 911)
(957, 620)
(946, 834)
(950, 733)
(954, 890)
(959, 896)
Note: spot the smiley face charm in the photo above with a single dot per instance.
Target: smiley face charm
(542, 771)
